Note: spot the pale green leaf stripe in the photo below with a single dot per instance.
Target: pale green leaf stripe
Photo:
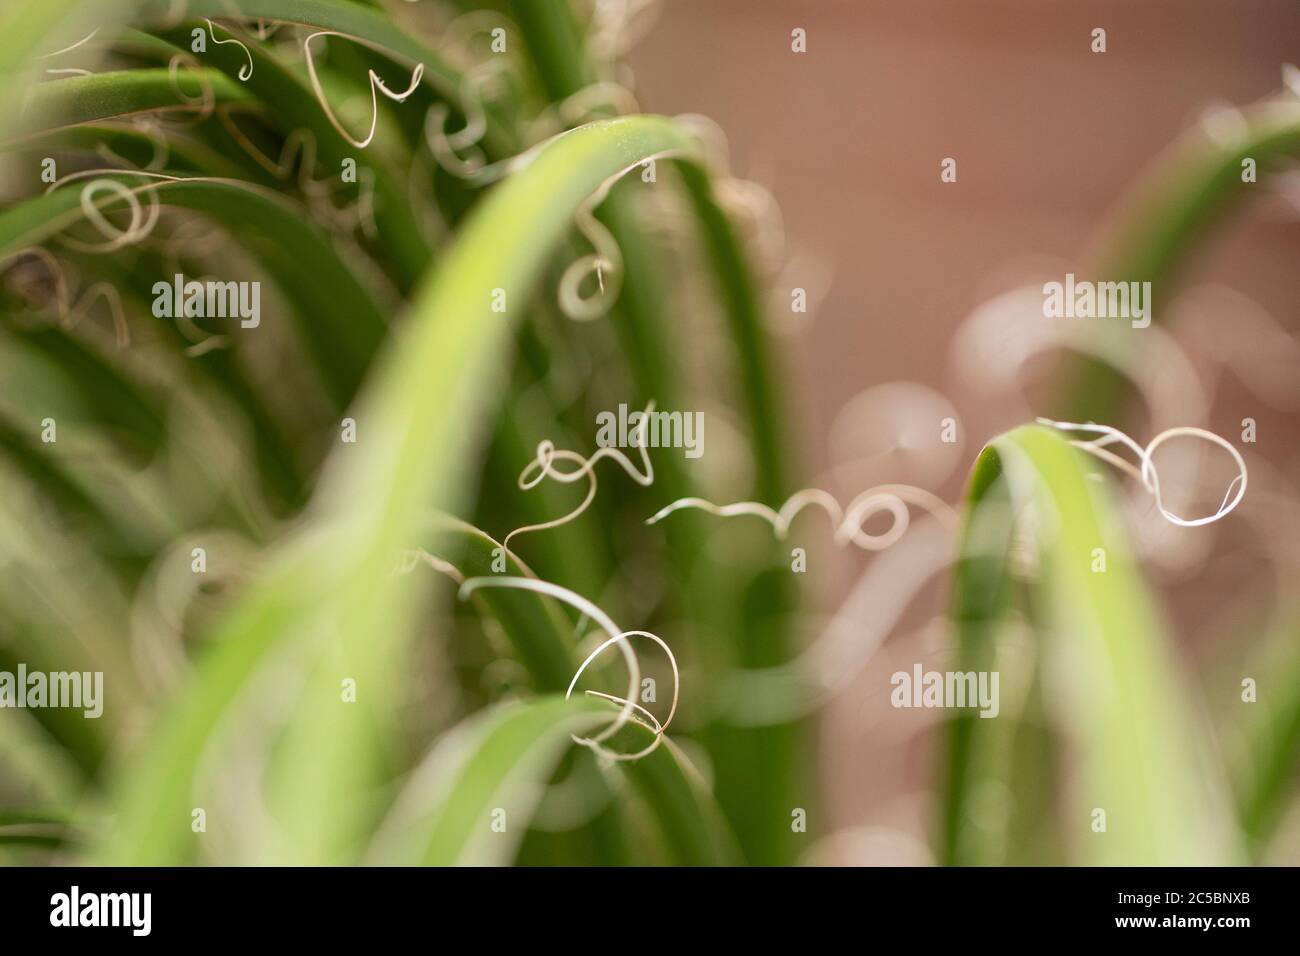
(514, 751)
(1135, 744)
(334, 582)
(491, 770)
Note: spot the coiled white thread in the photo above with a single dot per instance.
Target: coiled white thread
(554, 120)
(141, 222)
(244, 71)
(206, 101)
(616, 25)
(542, 467)
(847, 522)
(574, 109)
(1147, 473)
(447, 147)
(606, 261)
(377, 86)
(148, 127)
(629, 708)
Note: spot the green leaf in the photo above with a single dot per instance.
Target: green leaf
(339, 320)
(30, 29)
(332, 585)
(494, 764)
(690, 823)
(539, 633)
(72, 100)
(1135, 742)
(756, 790)
(1164, 219)
(1267, 767)
(491, 770)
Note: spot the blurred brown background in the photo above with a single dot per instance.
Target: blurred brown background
(1047, 135)
(849, 138)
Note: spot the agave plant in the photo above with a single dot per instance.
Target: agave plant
(322, 545)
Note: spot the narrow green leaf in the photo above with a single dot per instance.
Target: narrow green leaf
(690, 823)
(539, 633)
(487, 779)
(30, 29)
(1267, 768)
(473, 798)
(756, 788)
(1168, 214)
(334, 582)
(339, 320)
(1136, 747)
(72, 100)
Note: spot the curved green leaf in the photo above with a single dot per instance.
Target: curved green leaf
(340, 322)
(1169, 212)
(333, 583)
(73, 100)
(1136, 746)
(473, 798)
(30, 29)
(757, 788)
(486, 779)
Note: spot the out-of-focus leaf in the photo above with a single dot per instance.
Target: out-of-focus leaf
(333, 585)
(31, 29)
(756, 789)
(101, 96)
(339, 320)
(471, 801)
(1268, 767)
(1170, 211)
(1115, 695)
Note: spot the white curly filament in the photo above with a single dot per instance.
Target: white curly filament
(615, 636)
(377, 86)
(543, 467)
(848, 521)
(244, 71)
(1146, 472)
